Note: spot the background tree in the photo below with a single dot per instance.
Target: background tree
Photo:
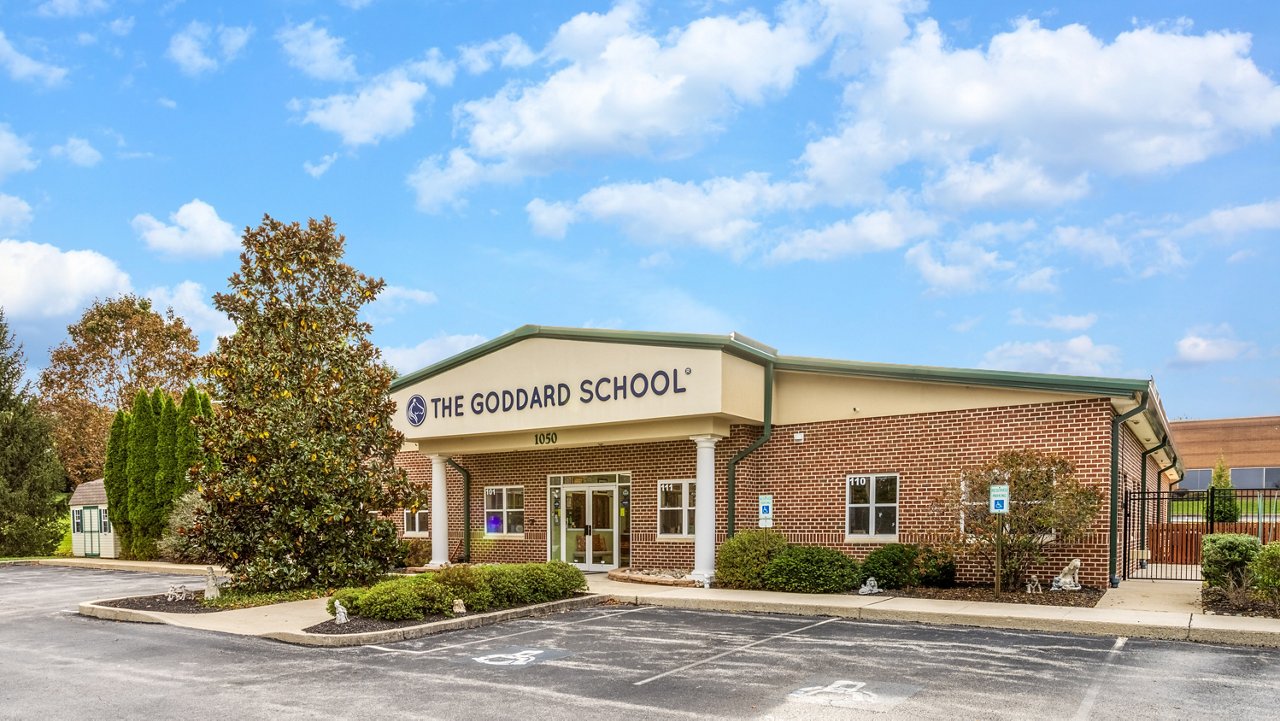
(301, 447)
(30, 476)
(166, 455)
(142, 474)
(118, 346)
(1223, 507)
(1047, 506)
(115, 475)
(186, 443)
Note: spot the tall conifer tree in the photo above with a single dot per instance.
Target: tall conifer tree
(186, 442)
(115, 476)
(142, 474)
(166, 456)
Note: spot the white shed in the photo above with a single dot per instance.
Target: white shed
(91, 533)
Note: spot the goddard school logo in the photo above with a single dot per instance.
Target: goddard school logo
(416, 410)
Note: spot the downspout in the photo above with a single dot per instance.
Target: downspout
(731, 472)
(1116, 422)
(466, 508)
(1173, 461)
(1142, 532)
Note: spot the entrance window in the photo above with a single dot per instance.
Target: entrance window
(77, 521)
(504, 510)
(106, 522)
(415, 523)
(871, 505)
(675, 508)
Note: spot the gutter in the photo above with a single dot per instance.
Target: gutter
(466, 508)
(1142, 528)
(731, 471)
(1116, 422)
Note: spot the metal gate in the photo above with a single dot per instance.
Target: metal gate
(1164, 530)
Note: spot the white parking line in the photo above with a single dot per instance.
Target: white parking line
(1090, 698)
(722, 654)
(508, 635)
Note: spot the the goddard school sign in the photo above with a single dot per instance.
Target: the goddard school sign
(603, 389)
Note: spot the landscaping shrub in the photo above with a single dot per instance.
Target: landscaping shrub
(810, 569)
(893, 566)
(1225, 558)
(349, 597)
(396, 600)
(464, 583)
(1264, 570)
(936, 567)
(741, 560)
(179, 543)
(417, 552)
(433, 598)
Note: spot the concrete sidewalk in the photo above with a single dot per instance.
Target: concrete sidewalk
(1138, 609)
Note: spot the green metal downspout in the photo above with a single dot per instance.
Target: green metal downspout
(1142, 532)
(731, 472)
(466, 509)
(1173, 461)
(1116, 422)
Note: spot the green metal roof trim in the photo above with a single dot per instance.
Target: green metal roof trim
(753, 350)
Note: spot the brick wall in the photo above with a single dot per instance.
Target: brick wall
(806, 479)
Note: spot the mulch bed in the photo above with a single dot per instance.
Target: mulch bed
(1086, 597)
(1221, 602)
(158, 602)
(360, 624)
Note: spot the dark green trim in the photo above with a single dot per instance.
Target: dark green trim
(466, 508)
(1116, 422)
(731, 471)
(1142, 521)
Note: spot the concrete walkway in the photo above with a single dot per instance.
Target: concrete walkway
(1142, 609)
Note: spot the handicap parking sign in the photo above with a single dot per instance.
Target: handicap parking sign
(999, 498)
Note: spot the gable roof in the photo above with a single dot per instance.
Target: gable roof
(90, 493)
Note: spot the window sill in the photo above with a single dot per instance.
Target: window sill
(507, 536)
(675, 539)
(416, 534)
(878, 539)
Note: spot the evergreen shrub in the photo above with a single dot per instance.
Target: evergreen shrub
(741, 560)
(1225, 558)
(894, 565)
(810, 569)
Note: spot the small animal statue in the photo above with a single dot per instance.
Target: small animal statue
(340, 613)
(1033, 586)
(179, 593)
(870, 588)
(211, 589)
(1069, 579)
(459, 607)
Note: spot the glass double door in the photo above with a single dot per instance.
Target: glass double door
(589, 528)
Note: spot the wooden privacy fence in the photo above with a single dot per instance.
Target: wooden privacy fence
(1180, 543)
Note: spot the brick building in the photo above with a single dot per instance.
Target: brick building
(599, 447)
(1250, 447)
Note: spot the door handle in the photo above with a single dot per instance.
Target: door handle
(587, 530)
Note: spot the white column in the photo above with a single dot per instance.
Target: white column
(704, 512)
(439, 512)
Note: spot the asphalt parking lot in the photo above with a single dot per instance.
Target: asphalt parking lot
(601, 663)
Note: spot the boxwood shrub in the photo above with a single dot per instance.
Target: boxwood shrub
(894, 565)
(1264, 570)
(1225, 558)
(741, 560)
(810, 569)
(937, 567)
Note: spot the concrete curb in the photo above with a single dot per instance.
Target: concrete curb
(111, 564)
(110, 613)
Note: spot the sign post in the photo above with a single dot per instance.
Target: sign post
(999, 496)
(766, 511)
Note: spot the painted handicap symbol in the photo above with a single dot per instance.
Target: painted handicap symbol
(836, 693)
(519, 658)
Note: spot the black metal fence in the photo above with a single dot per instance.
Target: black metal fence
(1164, 530)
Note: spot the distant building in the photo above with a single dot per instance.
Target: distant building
(1251, 447)
(91, 532)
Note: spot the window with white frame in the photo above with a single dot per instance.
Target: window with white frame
(675, 508)
(504, 510)
(104, 520)
(871, 504)
(77, 521)
(415, 522)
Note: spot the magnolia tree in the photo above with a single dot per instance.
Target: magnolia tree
(301, 447)
(1047, 506)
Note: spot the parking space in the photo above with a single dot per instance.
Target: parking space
(607, 662)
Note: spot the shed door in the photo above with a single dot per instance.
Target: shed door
(92, 531)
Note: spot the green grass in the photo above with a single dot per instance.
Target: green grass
(1248, 507)
(234, 599)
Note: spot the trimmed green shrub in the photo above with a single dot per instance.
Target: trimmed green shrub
(349, 597)
(894, 565)
(741, 560)
(811, 569)
(464, 583)
(398, 600)
(936, 567)
(1225, 558)
(566, 580)
(433, 598)
(1264, 570)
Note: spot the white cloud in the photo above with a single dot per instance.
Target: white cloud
(1100, 246)
(409, 359)
(966, 325)
(397, 299)
(26, 69)
(71, 8)
(121, 27)
(1077, 356)
(382, 108)
(355, 4)
(869, 231)
(864, 32)
(433, 67)
(77, 150)
(317, 53)
(1237, 220)
(85, 39)
(1042, 280)
(1067, 323)
(167, 103)
(192, 47)
(999, 181)
(622, 91)
(549, 219)
(189, 300)
(1211, 344)
(438, 182)
(963, 267)
(509, 51)
(673, 309)
(15, 154)
(15, 213)
(196, 231)
(315, 170)
(42, 281)
(1242, 255)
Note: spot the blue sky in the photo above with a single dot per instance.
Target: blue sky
(1087, 187)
